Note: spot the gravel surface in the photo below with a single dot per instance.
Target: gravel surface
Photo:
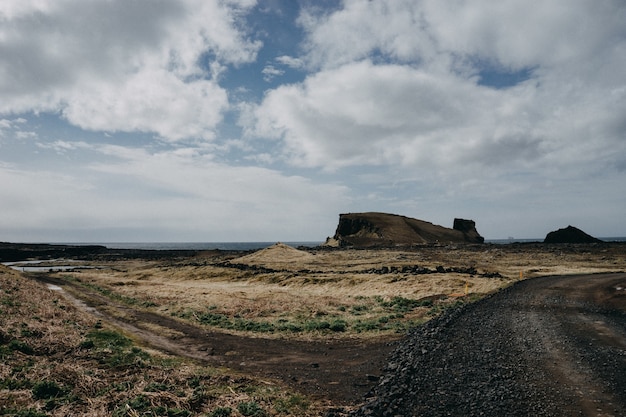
(553, 346)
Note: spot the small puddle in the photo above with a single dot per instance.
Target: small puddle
(49, 265)
(80, 304)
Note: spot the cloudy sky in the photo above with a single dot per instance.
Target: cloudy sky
(196, 120)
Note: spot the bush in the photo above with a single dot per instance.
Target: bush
(338, 326)
(250, 409)
(46, 389)
(292, 405)
(312, 325)
(107, 339)
(221, 412)
(156, 387)
(404, 305)
(357, 310)
(21, 347)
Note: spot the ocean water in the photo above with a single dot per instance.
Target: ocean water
(194, 245)
(261, 245)
(540, 240)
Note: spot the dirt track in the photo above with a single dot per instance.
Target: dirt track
(553, 346)
(341, 371)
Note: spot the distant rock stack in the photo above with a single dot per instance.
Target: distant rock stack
(570, 234)
(385, 230)
(468, 228)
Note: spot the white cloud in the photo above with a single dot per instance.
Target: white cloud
(290, 61)
(150, 101)
(13, 128)
(389, 114)
(420, 105)
(270, 72)
(392, 27)
(519, 34)
(115, 65)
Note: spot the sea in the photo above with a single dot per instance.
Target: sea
(242, 246)
(239, 246)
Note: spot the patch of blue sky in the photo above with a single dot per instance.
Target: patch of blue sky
(501, 78)
(272, 23)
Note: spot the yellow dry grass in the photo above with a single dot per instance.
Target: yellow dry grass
(47, 368)
(292, 285)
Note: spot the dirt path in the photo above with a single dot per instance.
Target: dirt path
(553, 346)
(341, 371)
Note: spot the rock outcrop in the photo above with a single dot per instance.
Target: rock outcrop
(570, 234)
(384, 230)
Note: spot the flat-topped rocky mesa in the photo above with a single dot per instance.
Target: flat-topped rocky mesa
(384, 230)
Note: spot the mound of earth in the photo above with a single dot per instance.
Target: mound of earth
(382, 229)
(570, 234)
(277, 253)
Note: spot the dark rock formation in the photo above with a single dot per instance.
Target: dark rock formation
(468, 227)
(24, 251)
(382, 229)
(570, 234)
(15, 252)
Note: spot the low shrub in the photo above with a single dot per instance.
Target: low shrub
(294, 405)
(338, 325)
(20, 346)
(46, 390)
(251, 409)
(404, 305)
(221, 412)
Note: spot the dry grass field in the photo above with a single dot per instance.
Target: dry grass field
(287, 292)
(58, 359)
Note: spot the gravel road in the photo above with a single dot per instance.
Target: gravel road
(551, 346)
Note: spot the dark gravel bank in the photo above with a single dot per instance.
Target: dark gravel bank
(543, 347)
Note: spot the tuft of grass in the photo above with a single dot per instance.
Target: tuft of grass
(251, 409)
(20, 346)
(404, 305)
(294, 404)
(115, 350)
(221, 412)
(47, 389)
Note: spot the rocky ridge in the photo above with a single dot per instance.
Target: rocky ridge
(386, 230)
(570, 234)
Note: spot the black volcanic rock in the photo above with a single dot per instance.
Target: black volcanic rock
(570, 234)
(24, 251)
(468, 227)
(382, 229)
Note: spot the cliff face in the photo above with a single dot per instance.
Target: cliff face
(382, 229)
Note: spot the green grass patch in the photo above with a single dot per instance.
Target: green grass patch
(293, 405)
(404, 305)
(251, 409)
(221, 412)
(114, 350)
(44, 390)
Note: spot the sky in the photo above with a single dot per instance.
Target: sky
(217, 121)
